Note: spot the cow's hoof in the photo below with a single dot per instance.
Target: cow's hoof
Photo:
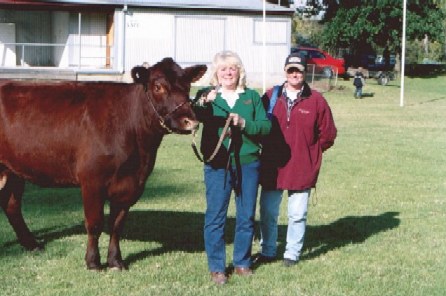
(114, 268)
(38, 248)
(33, 246)
(94, 266)
(117, 266)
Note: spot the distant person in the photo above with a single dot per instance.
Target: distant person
(236, 165)
(307, 125)
(358, 82)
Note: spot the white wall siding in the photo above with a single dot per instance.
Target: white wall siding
(277, 40)
(243, 37)
(194, 38)
(149, 37)
(197, 38)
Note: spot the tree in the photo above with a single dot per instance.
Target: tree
(371, 25)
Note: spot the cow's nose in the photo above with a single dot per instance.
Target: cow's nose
(190, 124)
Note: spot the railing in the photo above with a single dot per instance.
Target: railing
(321, 80)
(55, 55)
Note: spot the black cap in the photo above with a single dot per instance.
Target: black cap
(294, 60)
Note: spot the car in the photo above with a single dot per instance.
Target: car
(380, 63)
(370, 61)
(323, 62)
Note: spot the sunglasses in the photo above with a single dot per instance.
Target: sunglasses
(292, 70)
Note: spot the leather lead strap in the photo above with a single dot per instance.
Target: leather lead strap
(217, 147)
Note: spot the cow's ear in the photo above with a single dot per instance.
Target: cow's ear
(140, 74)
(194, 73)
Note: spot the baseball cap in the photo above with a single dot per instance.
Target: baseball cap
(294, 60)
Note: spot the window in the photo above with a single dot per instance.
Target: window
(316, 55)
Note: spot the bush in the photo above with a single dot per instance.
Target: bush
(415, 53)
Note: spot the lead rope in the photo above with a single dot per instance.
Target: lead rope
(217, 147)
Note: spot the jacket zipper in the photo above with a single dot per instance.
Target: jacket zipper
(289, 109)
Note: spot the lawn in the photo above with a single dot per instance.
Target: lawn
(376, 223)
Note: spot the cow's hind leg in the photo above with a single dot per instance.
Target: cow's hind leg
(118, 215)
(11, 203)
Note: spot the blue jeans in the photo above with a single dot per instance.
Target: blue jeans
(358, 92)
(297, 218)
(218, 195)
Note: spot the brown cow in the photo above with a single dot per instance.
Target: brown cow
(101, 136)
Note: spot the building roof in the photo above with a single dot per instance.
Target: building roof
(240, 5)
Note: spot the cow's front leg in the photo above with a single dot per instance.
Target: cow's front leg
(94, 223)
(116, 224)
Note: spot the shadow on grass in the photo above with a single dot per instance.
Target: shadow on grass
(173, 230)
(390, 85)
(365, 95)
(368, 95)
(320, 239)
(183, 231)
(427, 102)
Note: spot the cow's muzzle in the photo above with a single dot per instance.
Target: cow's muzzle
(187, 125)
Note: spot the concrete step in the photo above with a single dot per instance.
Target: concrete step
(37, 74)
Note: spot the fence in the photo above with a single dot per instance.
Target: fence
(321, 80)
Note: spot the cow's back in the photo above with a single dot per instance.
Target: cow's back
(47, 128)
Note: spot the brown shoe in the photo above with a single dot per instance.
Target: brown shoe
(219, 278)
(243, 271)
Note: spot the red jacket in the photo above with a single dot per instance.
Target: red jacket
(308, 130)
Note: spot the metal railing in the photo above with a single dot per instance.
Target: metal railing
(321, 80)
(56, 55)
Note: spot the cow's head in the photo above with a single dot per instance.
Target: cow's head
(168, 86)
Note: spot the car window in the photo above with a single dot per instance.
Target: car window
(316, 55)
(303, 52)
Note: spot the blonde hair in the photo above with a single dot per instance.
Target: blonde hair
(228, 58)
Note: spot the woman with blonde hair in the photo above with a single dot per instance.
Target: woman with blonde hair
(235, 166)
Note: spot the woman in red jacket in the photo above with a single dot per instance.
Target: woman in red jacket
(306, 121)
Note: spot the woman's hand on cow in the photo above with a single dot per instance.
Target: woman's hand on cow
(237, 120)
(208, 97)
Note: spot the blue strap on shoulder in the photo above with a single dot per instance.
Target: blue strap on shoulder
(272, 101)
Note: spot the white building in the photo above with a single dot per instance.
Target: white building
(108, 38)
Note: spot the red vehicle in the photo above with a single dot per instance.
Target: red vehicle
(322, 60)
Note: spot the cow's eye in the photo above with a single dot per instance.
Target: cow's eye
(158, 88)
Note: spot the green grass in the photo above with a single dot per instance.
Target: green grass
(376, 222)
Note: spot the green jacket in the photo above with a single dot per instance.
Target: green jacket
(245, 143)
